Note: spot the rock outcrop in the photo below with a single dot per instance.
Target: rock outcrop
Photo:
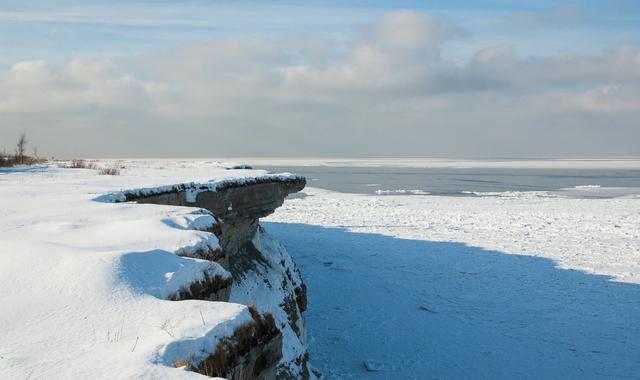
(252, 352)
(263, 273)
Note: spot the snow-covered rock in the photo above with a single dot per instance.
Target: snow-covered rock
(263, 272)
(87, 280)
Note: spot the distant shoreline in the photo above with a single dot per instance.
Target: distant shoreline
(500, 163)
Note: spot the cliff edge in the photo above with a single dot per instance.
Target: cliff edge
(111, 276)
(263, 274)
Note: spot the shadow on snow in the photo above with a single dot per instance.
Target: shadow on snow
(24, 169)
(160, 273)
(425, 309)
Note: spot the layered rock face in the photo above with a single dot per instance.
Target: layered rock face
(263, 273)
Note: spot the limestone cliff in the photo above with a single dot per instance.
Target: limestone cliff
(263, 273)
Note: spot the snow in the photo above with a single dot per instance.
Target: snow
(192, 177)
(587, 187)
(401, 191)
(597, 191)
(495, 285)
(84, 283)
(258, 287)
(519, 285)
(602, 163)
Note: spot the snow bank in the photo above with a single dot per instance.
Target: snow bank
(84, 283)
(401, 191)
(595, 235)
(587, 187)
(511, 194)
(202, 180)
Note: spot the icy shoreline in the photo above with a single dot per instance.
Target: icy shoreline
(417, 162)
(468, 287)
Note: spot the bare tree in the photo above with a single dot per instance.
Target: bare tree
(21, 147)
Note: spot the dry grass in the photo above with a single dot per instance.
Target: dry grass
(109, 171)
(206, 254)
(20, 157)
(84, 164)
(9, 161)
(203, 289)
(230, 350)
(81, 164)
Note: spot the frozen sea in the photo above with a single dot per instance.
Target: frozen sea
(506, 270)
(461, 181)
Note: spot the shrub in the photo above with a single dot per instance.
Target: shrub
(81, 164)
(20, 157)
(21, 148)
(109, 171)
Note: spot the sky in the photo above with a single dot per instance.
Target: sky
(467, 79)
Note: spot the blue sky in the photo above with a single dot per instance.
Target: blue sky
(322, 78)
(60, 30)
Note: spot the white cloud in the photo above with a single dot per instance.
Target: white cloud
(390, 91)
(36, 87)
(618, 98)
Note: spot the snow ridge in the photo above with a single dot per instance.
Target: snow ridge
(194, 188)
(84, 283)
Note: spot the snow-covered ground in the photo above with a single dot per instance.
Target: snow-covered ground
(514, 285)
(552, 163)
(496, 285)
(84, 283)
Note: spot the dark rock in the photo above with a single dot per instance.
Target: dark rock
(241, 166)
(238, 207)
(252, 352)
(210, 288)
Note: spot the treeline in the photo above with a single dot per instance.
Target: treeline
(20, 156)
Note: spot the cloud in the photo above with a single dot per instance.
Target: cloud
(36, 87)
(390, 90)
(408, 31)
(618, 98)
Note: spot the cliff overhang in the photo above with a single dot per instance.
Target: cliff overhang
(237, 206)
